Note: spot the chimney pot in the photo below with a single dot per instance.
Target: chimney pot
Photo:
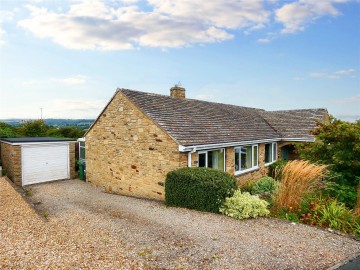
(177, 91)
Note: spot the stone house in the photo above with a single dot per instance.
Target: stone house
(139, 137)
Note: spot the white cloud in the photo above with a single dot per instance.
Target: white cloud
(75, 80)
(347, 117)
(169, 23)
(324, 75)
(349, 100)
(56, 108)
(297, 15)
(70, 108)
(207, 97)
(346, 71)
(2, 33)
(333, 75)
(264, 40)
(63, 108)
(5, 16)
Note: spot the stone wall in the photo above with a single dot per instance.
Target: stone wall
(11, 161)
(127, 153)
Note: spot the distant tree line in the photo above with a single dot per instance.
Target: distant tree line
(79, 123)
(38, 128)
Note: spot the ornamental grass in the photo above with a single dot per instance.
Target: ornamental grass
(298, 177)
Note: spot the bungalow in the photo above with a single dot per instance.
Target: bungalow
(139, 137)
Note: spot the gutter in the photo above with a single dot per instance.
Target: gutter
(189, 156)
(194, 148)
(37, 143)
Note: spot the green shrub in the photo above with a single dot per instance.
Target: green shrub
(342, 193)
(276, 168)
(202, 189)
(337, 144)
(328, 213)
(264, 185)
(318, 210)
(244, 205)
(335, 215)
(286, 214)
(309, 208)
(247, 187)
(356, 226)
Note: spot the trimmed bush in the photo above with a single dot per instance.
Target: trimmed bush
(244, 205)
(202, 189)
(264, 185)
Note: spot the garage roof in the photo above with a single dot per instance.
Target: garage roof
(35, 140)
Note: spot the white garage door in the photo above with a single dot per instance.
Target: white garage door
(42, 163)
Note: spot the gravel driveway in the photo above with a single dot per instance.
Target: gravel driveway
(89, 229)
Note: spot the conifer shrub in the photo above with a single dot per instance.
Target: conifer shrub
(202, 189)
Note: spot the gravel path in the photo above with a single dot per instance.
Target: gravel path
(89, 229)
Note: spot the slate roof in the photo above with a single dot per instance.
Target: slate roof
(195, 122)
(294, 123)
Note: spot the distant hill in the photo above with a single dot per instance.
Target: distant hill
(79, 123)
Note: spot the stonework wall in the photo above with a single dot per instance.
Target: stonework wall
(11, 161)
(73, 173)
(126, 153)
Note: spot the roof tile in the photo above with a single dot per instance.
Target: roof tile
(196, 122)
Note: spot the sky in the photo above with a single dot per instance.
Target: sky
(69, 57)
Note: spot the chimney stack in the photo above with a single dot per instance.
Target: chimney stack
(177, 91)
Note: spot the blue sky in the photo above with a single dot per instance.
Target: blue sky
(68, 57)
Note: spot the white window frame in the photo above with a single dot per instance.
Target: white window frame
(80, 146)
(253, 168)
(273, 153)
(206, 156)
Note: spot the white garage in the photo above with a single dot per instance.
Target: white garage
(36, 160)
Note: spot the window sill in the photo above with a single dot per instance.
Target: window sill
(268, 164)
(246, 171)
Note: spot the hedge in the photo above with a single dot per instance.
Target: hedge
(202, 189)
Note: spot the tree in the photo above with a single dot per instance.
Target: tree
(71, 132)
(7, 131)
(338, 145)
(33, 128)
(54, 132)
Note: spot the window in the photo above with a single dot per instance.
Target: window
(246, 158)
(82, 150)
(270, 153)
(212, 159)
